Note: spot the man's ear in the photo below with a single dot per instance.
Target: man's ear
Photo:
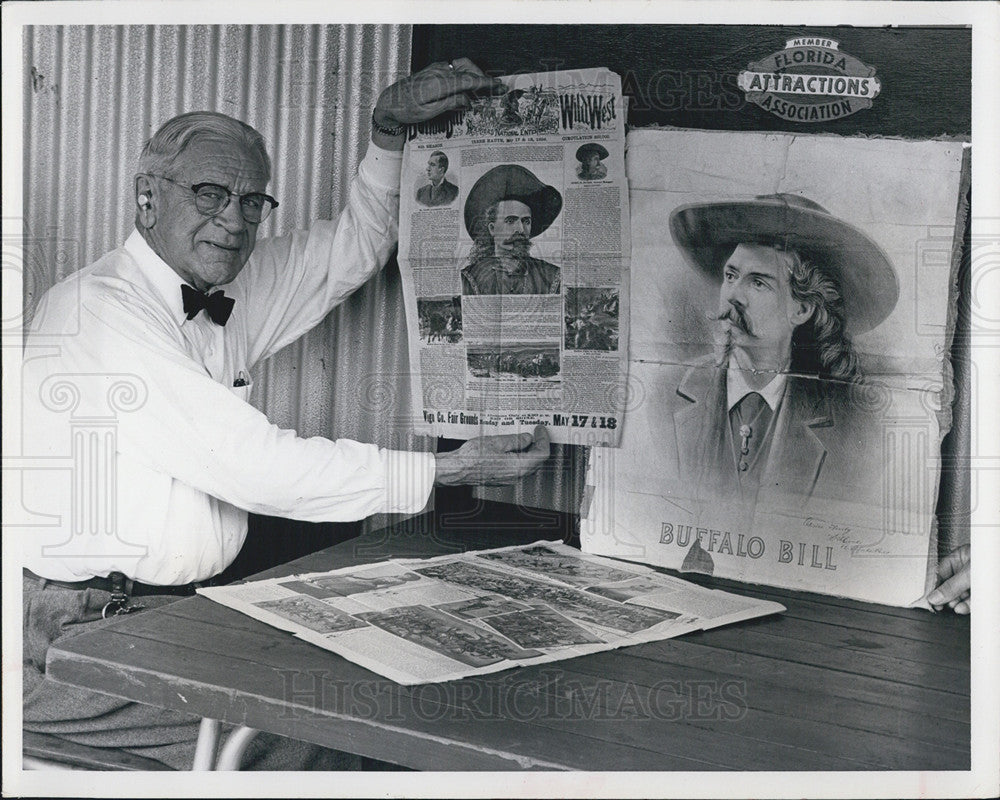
(802, 312)
(145, 201)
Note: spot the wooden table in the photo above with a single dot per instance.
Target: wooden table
(829, 685)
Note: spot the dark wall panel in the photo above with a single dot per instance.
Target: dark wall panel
(685, 75)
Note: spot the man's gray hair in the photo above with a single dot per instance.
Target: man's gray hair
(174, 136)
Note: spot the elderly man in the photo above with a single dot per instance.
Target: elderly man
(776, 408)
(145, 331)
(440, 191)
(507, 208)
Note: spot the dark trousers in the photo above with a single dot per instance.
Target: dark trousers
(53, 613)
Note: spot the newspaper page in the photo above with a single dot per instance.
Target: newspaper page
(792, 307)
(514, 253)
(428, 620)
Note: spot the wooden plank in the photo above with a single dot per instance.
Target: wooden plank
(758, 754)
(430, 739)
(353, 734)
(916, 621)
(761, 739)
(264, 646)
(779, 654)
(848, 639)
(808, 704)
(734, 751)
(781, 595)
(784, 730)
(759, 641)
(754, 668)
(80, 756)
(875, 692)
(425, 738)
(874, 735)
(933, 628)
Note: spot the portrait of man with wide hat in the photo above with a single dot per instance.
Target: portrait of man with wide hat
(506, 208)
(776, 405)
(590, 156)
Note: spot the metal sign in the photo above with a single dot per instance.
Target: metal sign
(810, 80)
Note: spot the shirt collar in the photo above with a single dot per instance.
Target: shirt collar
(737, 387)
(161, 278)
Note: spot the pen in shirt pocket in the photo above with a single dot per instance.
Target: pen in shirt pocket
(242, 379)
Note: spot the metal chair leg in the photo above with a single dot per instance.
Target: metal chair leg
(208, 741)
(234, 748)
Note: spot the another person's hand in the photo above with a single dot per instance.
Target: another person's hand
(954, 586)
(424, 95)
(493, 460)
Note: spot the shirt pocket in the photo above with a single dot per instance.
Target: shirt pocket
(242, 384)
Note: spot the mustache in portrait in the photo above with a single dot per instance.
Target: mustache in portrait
(519, 244)
(736, 316)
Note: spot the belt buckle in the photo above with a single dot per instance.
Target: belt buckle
(119, 603)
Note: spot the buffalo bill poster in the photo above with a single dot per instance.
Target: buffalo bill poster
(787, 390)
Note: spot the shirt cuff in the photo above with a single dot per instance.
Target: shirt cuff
(381, 167)
(409, 478)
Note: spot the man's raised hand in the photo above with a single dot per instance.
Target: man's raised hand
(441, 87)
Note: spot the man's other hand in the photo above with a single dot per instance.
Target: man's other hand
(443, 86)
(955, 576)
(493, 460)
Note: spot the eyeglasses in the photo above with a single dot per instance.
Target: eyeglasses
(211, 199)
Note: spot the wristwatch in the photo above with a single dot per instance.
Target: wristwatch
(397, 131)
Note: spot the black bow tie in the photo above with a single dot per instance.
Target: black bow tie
(216, 305)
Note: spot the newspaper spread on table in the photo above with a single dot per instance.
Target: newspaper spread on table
(514, 254)
(428, 620)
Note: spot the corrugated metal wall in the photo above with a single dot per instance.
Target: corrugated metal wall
(97, 93)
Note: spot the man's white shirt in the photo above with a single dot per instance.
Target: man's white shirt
(112, 364)
(737, 387)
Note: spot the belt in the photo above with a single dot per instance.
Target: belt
(132, 588)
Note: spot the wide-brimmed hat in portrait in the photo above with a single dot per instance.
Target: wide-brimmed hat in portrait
(707, 234)
(513, 182)
(585, 151)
